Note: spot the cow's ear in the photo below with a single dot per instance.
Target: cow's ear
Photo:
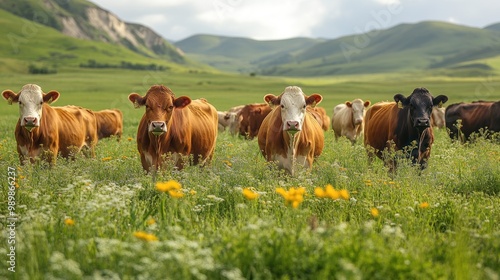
(272, 100)
(137, 100)
(313, 99)
(367, 103)
(439, 100)
(348, 104)
(181, 102)
(51, 96)
(10, 96)
(401, 100)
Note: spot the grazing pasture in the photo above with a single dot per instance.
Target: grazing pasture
(241, 217)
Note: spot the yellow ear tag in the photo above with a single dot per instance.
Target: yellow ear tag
(9, 100)
(50, 100)
(400, 105)
(313, 104)
(440, 105)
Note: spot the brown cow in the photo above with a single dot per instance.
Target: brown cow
(174, 127)
(320, 115)
(43, 131)
(402, 124)
(88, 121)
(251, 117)
(109, 123)
(347, 119)
(290, 134)
(473, 117)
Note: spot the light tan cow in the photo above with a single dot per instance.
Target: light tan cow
(347, 119)
(109, 123)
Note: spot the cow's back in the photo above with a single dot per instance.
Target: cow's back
(341, 119)
(109, 123)
(473, 116)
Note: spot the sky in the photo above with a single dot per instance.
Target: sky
(274, 20)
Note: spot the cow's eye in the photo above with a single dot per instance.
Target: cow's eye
(20, 103)
(282, 106)
(170, 108)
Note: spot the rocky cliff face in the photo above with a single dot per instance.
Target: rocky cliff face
(85, 20)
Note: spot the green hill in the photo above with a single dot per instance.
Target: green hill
(27, 43)
(406, 47)
(241, 54)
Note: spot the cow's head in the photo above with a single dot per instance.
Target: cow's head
(293, 104)
(160, 103)
(30, 99)
(358, 109)
(420, 104)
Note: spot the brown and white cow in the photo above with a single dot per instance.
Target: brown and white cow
(226, 120)
(109, 123)
(251, 117)
(173, 128)
(402, 125)
(290, 135)
(348, 119)
(320, 115)
(43, 131)
(473, 117)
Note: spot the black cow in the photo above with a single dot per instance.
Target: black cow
(473, 117)
(401, 124)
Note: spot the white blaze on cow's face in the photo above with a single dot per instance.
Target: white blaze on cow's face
(293, 109)
(30, 100)
(358, 109)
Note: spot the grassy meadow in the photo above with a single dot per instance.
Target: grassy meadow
(103, 218)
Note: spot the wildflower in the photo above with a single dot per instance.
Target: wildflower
(374, 212)
(192, 192)
(368, 183)
(250, 194)
(106, 158)
(130, 139)
(176, 193)
(228, 163)
(145, 236)
(424, 205)
(69, 222)
(168, 186)
(295, 196)
(331, 192)
(150, 221)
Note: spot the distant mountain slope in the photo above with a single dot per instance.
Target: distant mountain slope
(241, 54)
(85, 20)
(420, 46)
(494, 27)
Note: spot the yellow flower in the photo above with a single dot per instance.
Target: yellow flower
(192, 192)
(374, 212)
(168, 186)
(319, 192)
(331, 192)
(228, 163)
(424, 205)
(145, 236)
(106, 158)
(344, 194)
(295, 196)
(69, 222)
(150, 221)
(130, 139)
(250, 194)
(176, 193)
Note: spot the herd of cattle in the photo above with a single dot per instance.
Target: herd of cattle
(289, 127)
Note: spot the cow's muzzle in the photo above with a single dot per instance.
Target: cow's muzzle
(292, 127)
(422, 122)
(30, 123)
(158, 128)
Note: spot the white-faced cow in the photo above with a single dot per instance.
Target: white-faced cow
(43, 131)
(174, 128)
(289, 134)
(348, 119)
(403, 124)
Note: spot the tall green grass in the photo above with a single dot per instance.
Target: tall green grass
(80, 219)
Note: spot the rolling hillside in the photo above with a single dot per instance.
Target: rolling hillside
(29, 44)
(423, 46)
(242, 54)
(84, 20)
